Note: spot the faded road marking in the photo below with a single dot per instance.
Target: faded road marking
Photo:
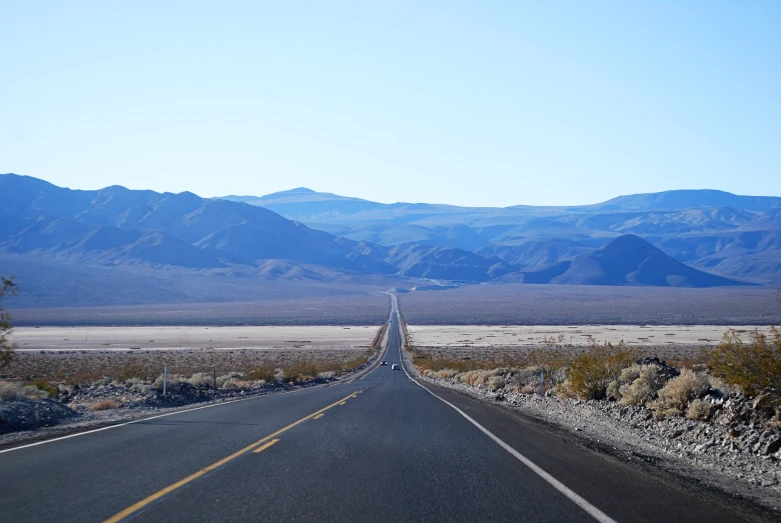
(267, 445)
(167, 490)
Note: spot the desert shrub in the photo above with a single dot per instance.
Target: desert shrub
(199, 379)
(260, 373)
(495, 382)
(34, 393)
(564, 389)
(221, 380)
(592, 371)
(527, 380)
(174, 383)
(718, 383)
(648, 380)
(7, 287)
(326, 375)
(752, 366)
(230, 384)
(138, 385)
(673, 399)
(9, 391)
(474, 378)
(132, 370)
(698, 409)
(424, 362)
(300, 371)
(552, 359)
(348, 365)
(446, 374)
(105, 405)
(44, 385)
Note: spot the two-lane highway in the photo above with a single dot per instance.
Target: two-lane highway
(378, 448)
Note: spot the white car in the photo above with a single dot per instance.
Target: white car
(395, 366)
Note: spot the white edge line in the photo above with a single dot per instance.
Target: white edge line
(558, 485)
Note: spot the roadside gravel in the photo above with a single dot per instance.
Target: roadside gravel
(743, 461)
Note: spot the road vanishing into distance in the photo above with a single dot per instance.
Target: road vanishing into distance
(381, 447)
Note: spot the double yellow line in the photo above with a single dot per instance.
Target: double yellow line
(167, 490)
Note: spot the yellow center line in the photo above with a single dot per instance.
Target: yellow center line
(167, 490)
(267, 445)
(319, 416)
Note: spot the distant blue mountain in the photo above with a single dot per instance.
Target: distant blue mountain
(706, 221)
(626, 260)
(303, 234)
(689, 199)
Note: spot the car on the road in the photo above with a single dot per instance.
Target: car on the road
(395, 366)
(383, 362)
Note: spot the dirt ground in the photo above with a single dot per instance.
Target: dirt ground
(81, 354)
(676, 343)
(182, 338)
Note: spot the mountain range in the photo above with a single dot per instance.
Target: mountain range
(725, 234)
(679, 238)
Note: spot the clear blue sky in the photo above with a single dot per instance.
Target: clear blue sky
(472, 103)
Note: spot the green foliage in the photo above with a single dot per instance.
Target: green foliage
(7, 288)
(46, 387)
(591, 371)
(752, 366)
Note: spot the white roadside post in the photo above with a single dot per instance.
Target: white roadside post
(165, 379)
(542, 384)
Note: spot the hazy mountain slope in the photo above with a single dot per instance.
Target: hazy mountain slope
(661, 217)
(446, 263)
(538, 252)
(626, 260)
(47, 282)
(690, 199)
(120, 226)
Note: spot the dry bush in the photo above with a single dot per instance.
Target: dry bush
(527, 380)
(131, 370)
(565, 390)
(301, 371)
(105, 405)
(638, 384)
(9, 391)
(674, 398)
(752, 366)
(592, 371)
(349, 364)
(445, 374)
(138, 385)
(494, 382)
(424, 361)
(173, 385)
(34, 393)
(200, 379)
(698, 409)
(552, 360)
(231, 384)
(44, 386)
(260, 374)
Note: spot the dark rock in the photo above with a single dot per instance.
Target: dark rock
(771, 447)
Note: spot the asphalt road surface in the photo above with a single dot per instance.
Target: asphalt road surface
(378, 448)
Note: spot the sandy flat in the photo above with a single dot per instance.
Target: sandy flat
(124, 338)
(503, 336)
